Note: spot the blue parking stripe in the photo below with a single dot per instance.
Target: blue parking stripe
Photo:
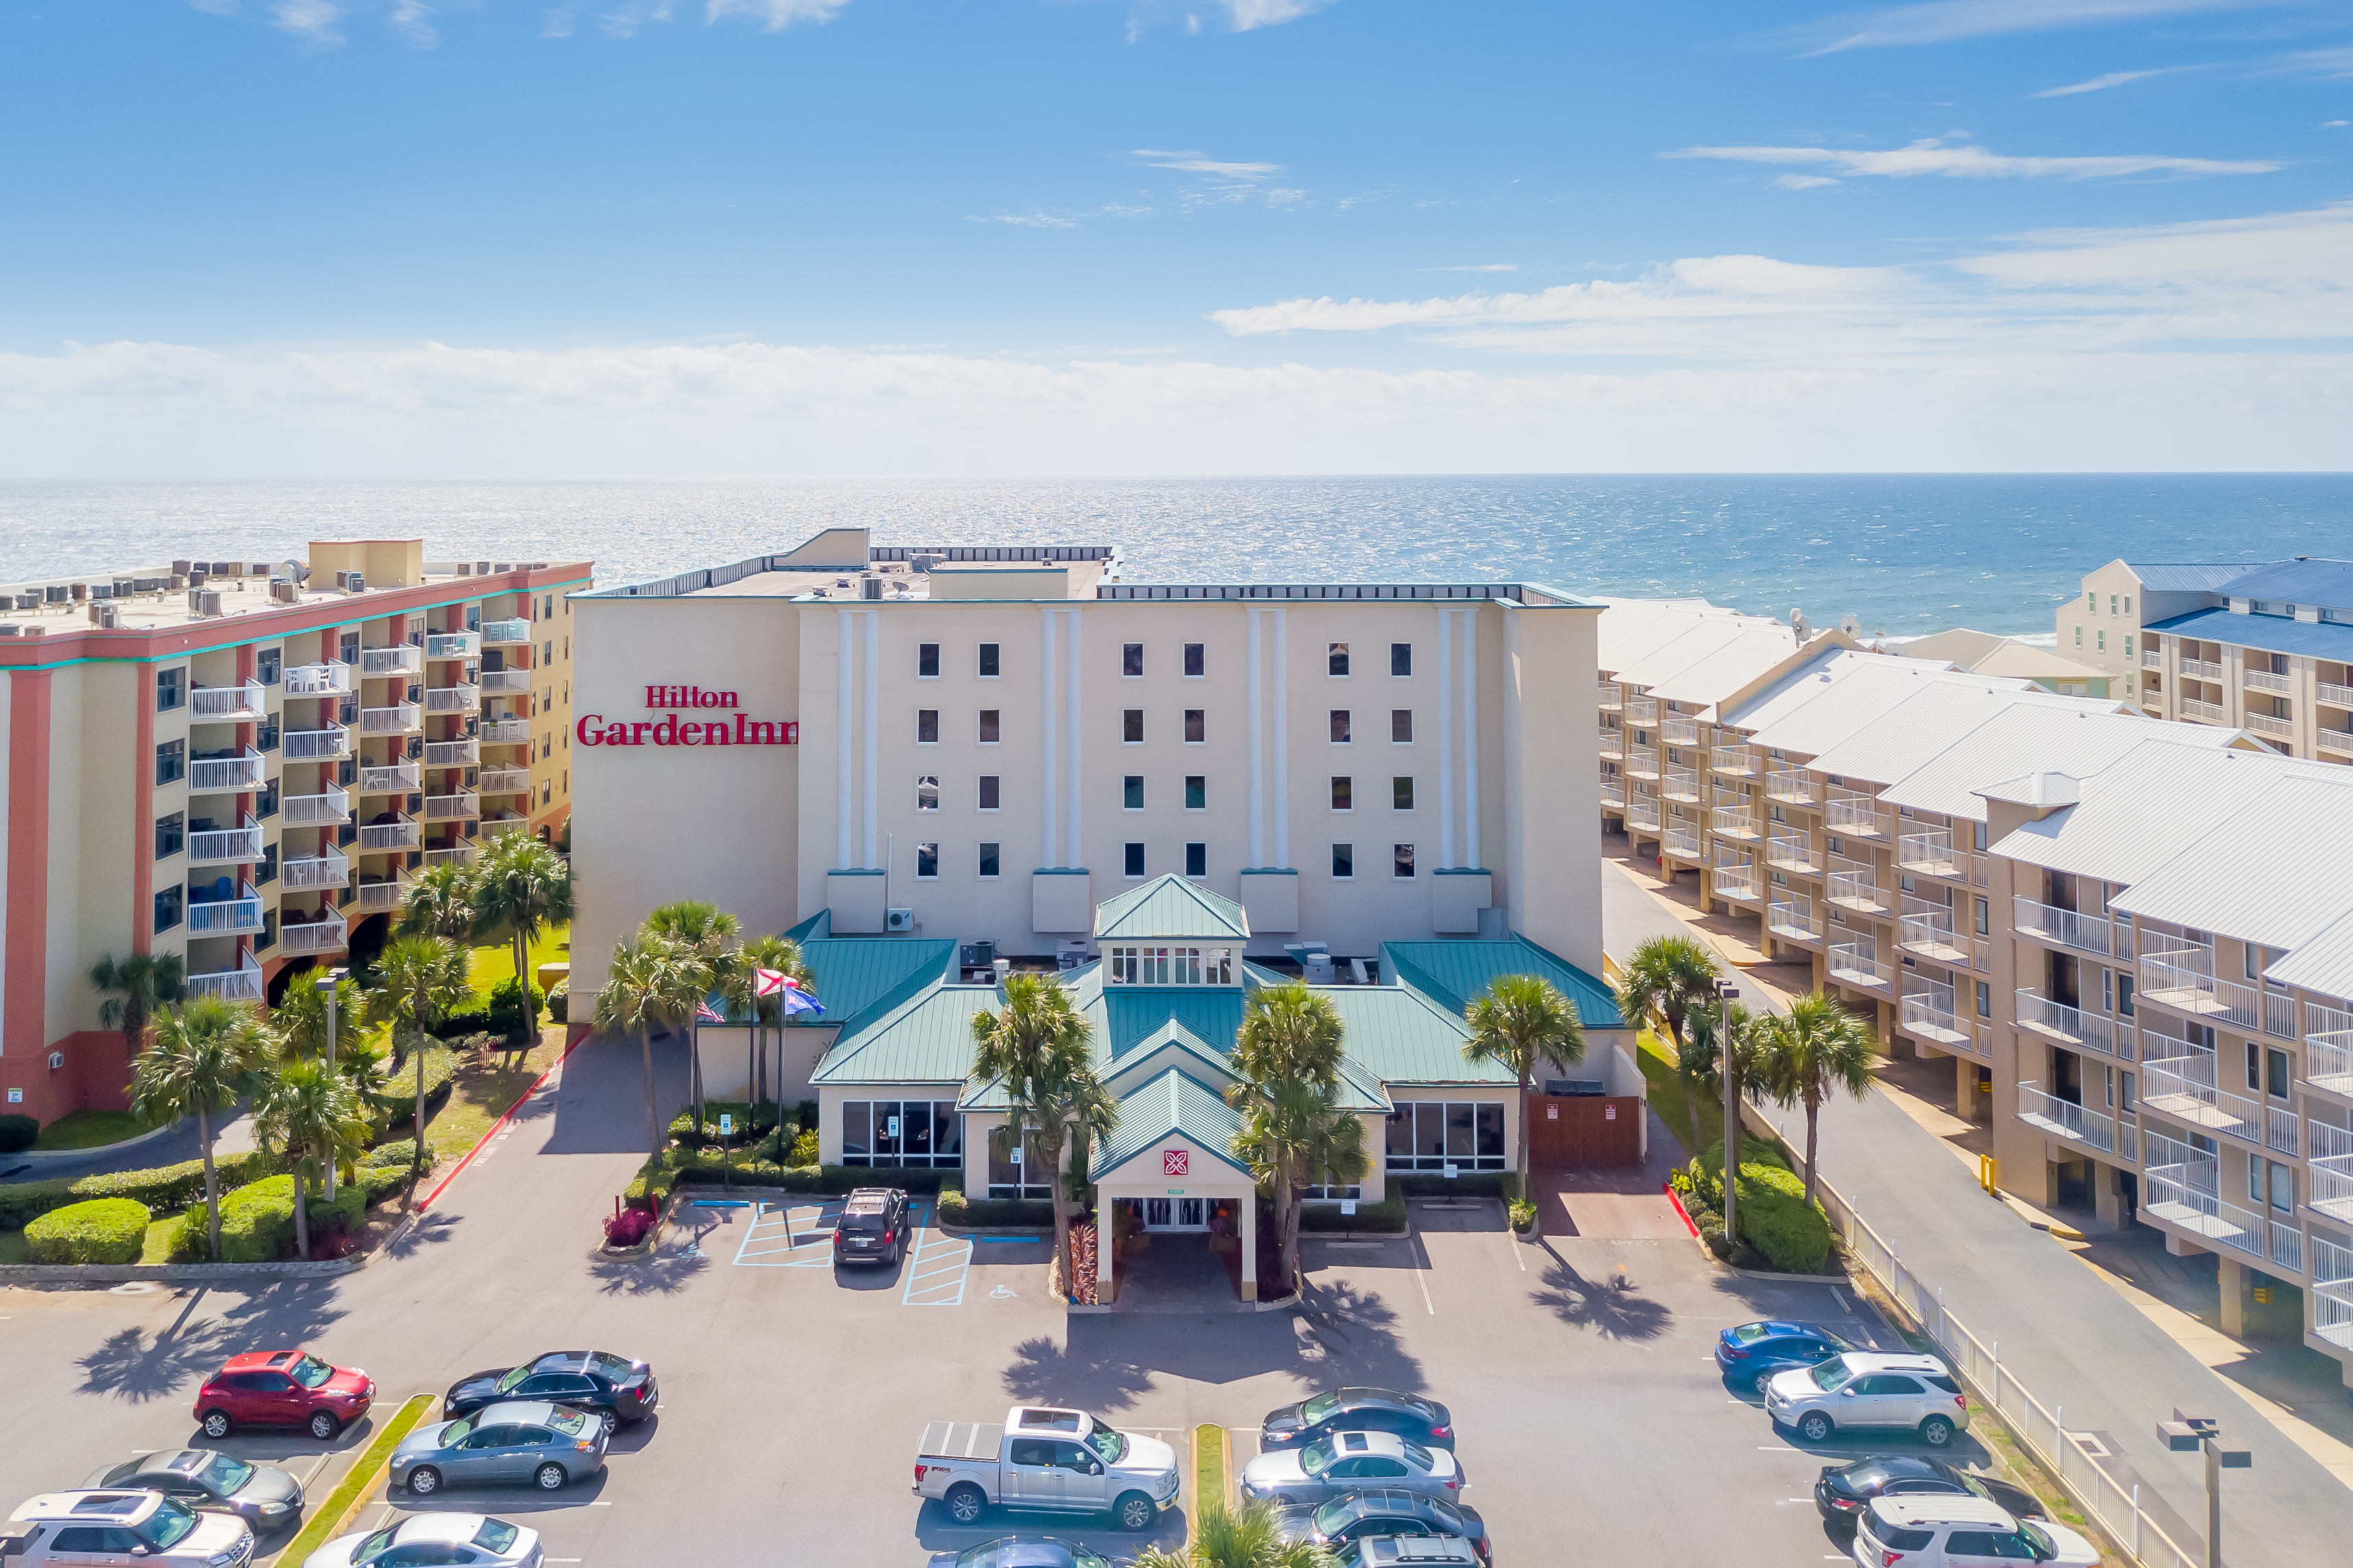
(937, 1265)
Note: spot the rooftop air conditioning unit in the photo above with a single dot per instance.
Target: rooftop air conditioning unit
(180, 568)
(285, 593)
(898, 920)
(203, 602)
(481, 568)
(1070, 954)
(358, 583)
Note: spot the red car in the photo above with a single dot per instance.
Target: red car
(283, 1388)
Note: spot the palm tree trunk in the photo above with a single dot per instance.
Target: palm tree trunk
(1292, 1220)
(1057, 1195)
(1813, 1139)
(417, 1121)
(694, 1074)
(301, 1215)
(212, 1186)
(1527, 1138)
(522, 975)
(653, 1125)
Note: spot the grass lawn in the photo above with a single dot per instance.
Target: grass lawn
(480, 1094)
(13, 1248)
(90, 1130)
(156, 1245)
(1668, 1098)
(490, 965)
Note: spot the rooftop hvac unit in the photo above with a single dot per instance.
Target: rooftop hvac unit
(180, 568)
(925, 562)
(873, 587)
(28, 601)
(898, 920)
(203, 602)
(102, 591)
(358, 583)
(343, 579)
(285, 593)
(56, 593)
(481, 568)
(79, 591)
(196, 575)
(1070, 954)
(258, 569)
(9, 629)
(178, 580)
(125, 586)
(225, 569)
(110, 619)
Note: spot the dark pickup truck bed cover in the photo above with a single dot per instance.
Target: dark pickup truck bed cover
(963, 1440)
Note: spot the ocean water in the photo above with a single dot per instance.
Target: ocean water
(1904, 554)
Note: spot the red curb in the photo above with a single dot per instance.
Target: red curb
(1673, 1197)
(501, 1121)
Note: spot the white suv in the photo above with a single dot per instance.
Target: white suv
(1933, 1531)
(1869, 1388)
(144, 1527)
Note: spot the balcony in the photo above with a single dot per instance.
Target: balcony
(1613, 791)
(2190, 1207)
(225, 846)
(242, 983)
(453, 645)
(1786, 849)
(384, 893)
(326, 935)
(210, 774)
(2332, 1291)
(2340, 741)
(1855, 885)
(1641, 712)
(324, 809)
(1610, 696)
(224, 917)
(1855, 814)
(389, 837)
(316, 745)
(1855, 964)
(333, 678)
(2264, 680)
(1680, 782)
(517, 781)
(1641, 811)
(1681, 844)
(2183, 979)
(2151, 659)
(1679, 731)
(1793, 919)
(1734, 822)
(1610, 742)
(400, 719)
(235, 704)
(1928, 853)
(2068, 1026)
(1733, 762)
(395, 778)
(2061, 928)
(506, 680)
(2183, 1087)
(505, 732)
(459, 806)
(456, 855)
(405, 659)
(1642, 763)
(2065, 1118)
(326, 870)
(2328, 1049)
(462, 753)
(2202, 668)
(1928, 1012)
(1736, 882)
(2204, 713)
(461, 699)
(2272, 725)
(1794, 786)
(1926, 929)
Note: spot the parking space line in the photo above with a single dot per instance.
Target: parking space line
(778, 1246)
(1421, 1275)
(937, 1268)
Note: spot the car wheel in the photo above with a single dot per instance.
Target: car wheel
(424, 1481)
(965, 1502)
(1764, 1381)
(323, 1424)
(551, 1477)
(1936, 1431)
(1815, 1426)
(217, 1423)
(1133, 1512)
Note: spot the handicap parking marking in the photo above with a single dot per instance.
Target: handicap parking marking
(792, 1235)
(937, 1266)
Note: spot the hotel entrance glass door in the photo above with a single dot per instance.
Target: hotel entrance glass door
(1175, 1214)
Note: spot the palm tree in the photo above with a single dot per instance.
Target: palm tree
(300, 1019)
(782, 957)
(1667, 980)
(1290, 1039)
(1249, 1536)
(1289, 1033)
(143, 985)
(315, 1115)
(201, 1053)
(1294, 1135)
(650, 987)
(1813, 1051)
(1039, 1047)
(705, 931)
(1702, 1048)
(521, 887)
(440, 902)
(1521, 1020)
(425, 979)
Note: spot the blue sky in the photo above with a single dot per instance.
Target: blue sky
(825, 236)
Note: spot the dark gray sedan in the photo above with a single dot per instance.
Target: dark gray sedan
(544, 1445)
(216, 1483)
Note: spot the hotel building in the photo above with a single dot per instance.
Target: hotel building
(241, 763)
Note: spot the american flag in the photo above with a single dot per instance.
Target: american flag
(704, 1012)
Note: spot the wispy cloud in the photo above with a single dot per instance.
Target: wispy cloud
(555, 25)
(216, 7)
(1249, 14)
(774, 16)
(1200, 163)
(1803, 182)
(1937, 155)
(625, 22)
(413, 18)
(2336, 65)
(313, 20)
(1950, 21)
(2113, 78)
(1027, 220)
(1475, 267)
(1361, 199)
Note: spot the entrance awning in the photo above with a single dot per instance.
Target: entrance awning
(1173, 1105)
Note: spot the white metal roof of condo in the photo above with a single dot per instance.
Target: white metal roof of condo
(1634, 632)
(1821, 665)
(2146, 807)
(2324, 963)
(2278, 872)
(2192, 576)
(2037, 737)
(1704, 674)
(1929, 722)
(1846, 701)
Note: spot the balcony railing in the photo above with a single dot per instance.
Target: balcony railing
(517, 781)
(498, 680)
(1610, 742)
(1854, 886)
(403, 660)
(2179, 1203)
(1793, 919)
(2337, 741)
(1677, 730)
(316, 745)
(2151, 659)
(1927, 1011)
(391, 778)
(1680, 782)
(1734, 822)
(1610, 696)
(2183, 979)
(504, 733)
(2328, 1049)
(217, 916)
(461, 699)
(2065, 1118)
(1642, 763)
(1926, 928)
(1613, 791)
(1792, 785)
(453, 645)
(384, 838)
(2204, 669)
(1853, 814)
(2271, 724)
(1733, 762)
(1855, 965)
(1641, 810)
(462, 753)
(2287, 1246)
(1787, 849)
(456, 855)
(459, 806)
(1681, 843)
(213, 704)
(2183, 1088)
(2335, 696)
(225, 846)
(377, 896)
(2264, 680)
(2332, 1291)
(2279, 1130)
(2204, 713)
(222, 774)
(1928, 853)
(2329, 1183)
(327, 807)
(2068, 1026)
(331, 679)
(2064, 928)
(1641, 710)
(328, 869)
(508, 631)
(1736, 882)
(242, 983)
(400, 719)
(328, 935)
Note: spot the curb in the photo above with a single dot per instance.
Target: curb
(175, 1273)
(1682, 1213)
(1791, 1278)
(429, 1198)
(95, 1151)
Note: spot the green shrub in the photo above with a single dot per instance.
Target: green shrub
(984, 1214)
(401, 1151)
(161, 1189)
(504, 1015)
(805, 1149)
(559, 1002)
(187, 1240)
(681, 1126)
(1524, 1216)
(1503, 1185)
(18, 1134)
(257, 1221)
(1793, 1234)
(471, 1020)
(396, 1107)
(704, 1168)
(1388, 1214)
(102, 1230)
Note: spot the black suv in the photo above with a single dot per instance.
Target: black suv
(1385, 1510)
(872, 1227)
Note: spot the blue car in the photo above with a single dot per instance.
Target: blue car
(1750, 1355)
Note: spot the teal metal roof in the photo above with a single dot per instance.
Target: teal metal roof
(1173, 1102)
(1210, 1060)
(926, 1038)
(1130, 1016)
(859, 978)
(1398, 1036)
(1453, 973)
(1170, 907)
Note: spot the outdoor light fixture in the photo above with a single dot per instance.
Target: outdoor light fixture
(2188, 1434)
(1727, 993)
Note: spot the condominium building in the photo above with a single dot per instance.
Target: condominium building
(241, 763)
(2266, 647)
(1989, 653)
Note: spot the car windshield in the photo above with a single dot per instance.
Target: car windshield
(309, 1372)
(2038, 1539)
(1749, 1333)
(514, 1375)
(613, 1366)
(496, 1535)
(1419, 1454)
(981, 1556)
(1086, 1559)
(1110, 1445)
(1833, 1375)
(167, 1525)
(1320, 1407)
(1317, 1458)
(222, 1473)
(1869, 1473)
(568, 1422)
(1333, 1514)
(456, 1432)
(373, 1547)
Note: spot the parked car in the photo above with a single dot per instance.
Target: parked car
(112, 1526)
(587, 1380)
(1961, 1532)
(1357, 1516)
(462, 1538)
(1846, 1490)
(1752, 1355)
(1351, 1461)
(1425, 1421)
(1027, 1551)
(282, 1388)
(547, 1445)
(262, 1495)
(872, 1227)
(1062, 1461)
(1407, 1552)
(1869, 1389)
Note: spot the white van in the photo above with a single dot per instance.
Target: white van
(112, 1527)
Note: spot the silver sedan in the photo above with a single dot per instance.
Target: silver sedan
(456, 1538)
(1351, 1461)
(534, 1441)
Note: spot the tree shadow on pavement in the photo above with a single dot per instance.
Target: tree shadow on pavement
(661, 1275)
(132, 1365)
(1347, 1335)
(1602, 1305)
(433, 1227)
(1093, 1372)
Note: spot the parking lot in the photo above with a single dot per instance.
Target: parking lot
(1591, 1413)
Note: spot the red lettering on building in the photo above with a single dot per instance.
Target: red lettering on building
(672, 730)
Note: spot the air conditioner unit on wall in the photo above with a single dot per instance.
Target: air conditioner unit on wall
(898, 920)
(57, 1060)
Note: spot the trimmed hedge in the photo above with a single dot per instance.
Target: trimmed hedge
(559, 1002)
(257, 1221)
(103, 1230)
(400, 1152)
(980, 1214)
(18, 1134)
(704, 1168)
(1503, 1185)
(1776, 1219)
(397, 1105)
(162, 1189)
(681, 1126)
(1388, 1214)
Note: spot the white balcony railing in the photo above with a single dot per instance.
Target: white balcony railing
(517, 781)
(372, 896)
(2202, 668)
(242, 983)
(1642, 763)
(1610, 742)
(2337, 741)
(2068, 1026)
(324, 809)
(504, 733)
(2329, 1179)
(1610, 696)
(405, 659)
(462, 753)
(2204, 713)
(1793, 919)
(459, 806)
(461, 699)
(2064, 928)
(1786, 848)
(2151, 659)
(1613, 791)
(1855, 885)
(2183, 1087)
(506, 680)
(400, 719)
(1792, 785)
(1641, 710)
(225, 846)
(331, 679)
(391, 778)
(2287, 1246)
(316, 745)
(509, 631)
(2181, 1205)
(313, 936)
(1733, 762)
(326, 870)
(223, 773)
(1926, 928)
(1734, 822)
(2280, 1130)
(1736, 882)
(453, 645)
(1855, 964)
(2264, 680)
(1928, 1012)
(2335, 696)
(1680, 782)
(1852, 813)
(456, 855)
(2065, 1118)
(2271, 724)
(1928, 853)
(1641, 810)
(1677, 730)
(215, 917)
(1681, 843)
(2184, 980)
(215, 704)
(2328, 1049)
(384, 838)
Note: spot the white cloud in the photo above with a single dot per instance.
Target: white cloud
(2335, 64)
(625, 22)
(311, 19)
(1936, 155)
(1361, 199)
(413, 17)
(1475, 267)
(1249, 14)
(1197, 163)
(216, 7)
(1804, 181)
(1948, 21)
(1029, 220)
(2113, 78)
(556, 24)
(773, 16)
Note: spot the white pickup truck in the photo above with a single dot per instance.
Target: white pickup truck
(1057, 1461)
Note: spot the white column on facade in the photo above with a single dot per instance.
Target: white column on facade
(1049, 825)
(842, 738)
(1248, 1238)
(872, 676)
(1281, 742)
(1470, 619)
(1072, 748)
(1445, 740)
(1257, 743)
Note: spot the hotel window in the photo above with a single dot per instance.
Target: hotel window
(1131, 659)
(1426, 1136)
(1197, 660)
(989, 669)
(1131, 859)
(170, 834)
(348, 645)
(1985, 918)
(2100, 641)
(1197, 726)
(1132, 792)
(1196, 859)
(2112, 604)
(1343, 862)
(1339, 726)
(170, 689)
(989, 792)
(927, 661)
(1344, 793)
(990, 860)
(927, 726)
(990, 729)
(1401, 862)
(927, 862)
(2129, 604)
(2079, 637)
(267, 664)
(1401, 659)
(168, 901)
(1401, 792)
(918, 1133)
(2124, 995)
(266, 735)
(1985, 1000)
(1401, 726)
(2128, 645)
(1168, 967)
(1196, 792)
(265, 869)
(2092, 603)
(265, 803)
(1009, 1177)
(927, 791)
(2276, 1074)
(1131, 726)
(1335, 658)
(170, 761)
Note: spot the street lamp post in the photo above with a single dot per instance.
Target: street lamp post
(326, 986)
(2185, 1433)
(1726, 993)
